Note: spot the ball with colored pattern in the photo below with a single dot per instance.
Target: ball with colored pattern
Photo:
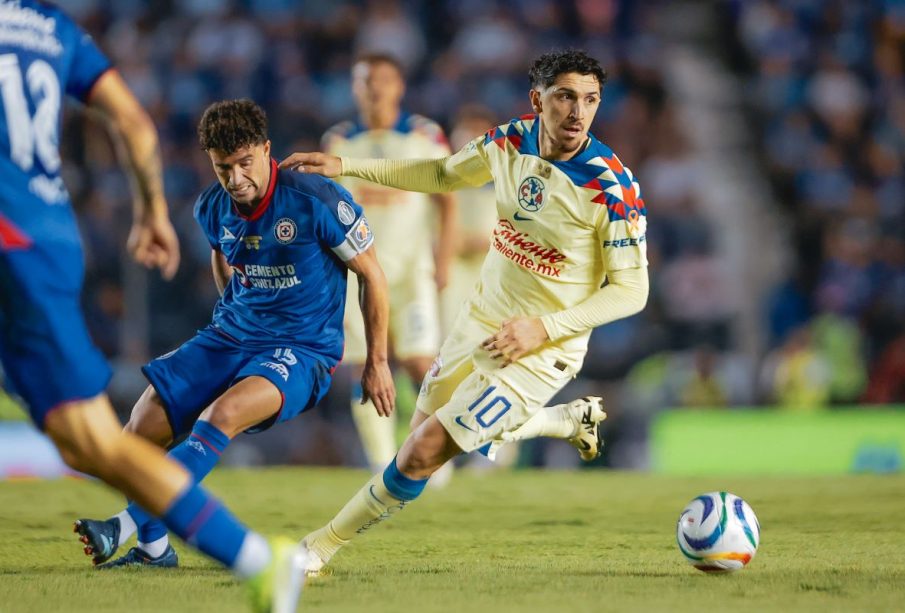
(718, 532)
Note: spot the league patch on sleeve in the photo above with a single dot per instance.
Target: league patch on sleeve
(360, 235)
(345, 213)
(357, 240)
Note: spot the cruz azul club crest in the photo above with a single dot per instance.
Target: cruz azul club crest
(285, 230)
(531, 194)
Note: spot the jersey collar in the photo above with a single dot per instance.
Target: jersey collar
(265, 201)
(401, 125)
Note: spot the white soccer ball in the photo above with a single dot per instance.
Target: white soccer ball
(718, 532)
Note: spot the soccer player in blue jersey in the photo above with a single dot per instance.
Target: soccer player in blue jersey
(47, 355)
(282, 243)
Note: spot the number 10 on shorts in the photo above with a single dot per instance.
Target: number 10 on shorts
(489, 408)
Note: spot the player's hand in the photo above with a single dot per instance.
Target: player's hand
(314, 163)
(153, 243)
(377, 385)
(517, 337)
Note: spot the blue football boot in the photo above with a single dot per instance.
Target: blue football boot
(100, 537)
(137, 557)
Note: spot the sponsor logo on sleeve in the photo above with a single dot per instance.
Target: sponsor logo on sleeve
(625, 242)
(285, 231)
(345, 212)
(531, 194)
(360, 235)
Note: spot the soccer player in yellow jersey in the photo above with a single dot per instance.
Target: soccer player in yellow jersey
(568, 254)
(402, 223)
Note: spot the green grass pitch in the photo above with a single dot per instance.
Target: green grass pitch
(522, 541)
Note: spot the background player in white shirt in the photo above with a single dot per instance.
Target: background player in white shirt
(403, 224)
(568, 254)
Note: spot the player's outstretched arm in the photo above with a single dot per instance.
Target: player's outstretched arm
(430, 175)
(377, 379)
(152, 240)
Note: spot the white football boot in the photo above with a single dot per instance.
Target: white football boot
(587, 413)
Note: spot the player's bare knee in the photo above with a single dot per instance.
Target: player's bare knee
(417, 419)
(149, 419)
(227, 415)
(90, 452)
(154, 428)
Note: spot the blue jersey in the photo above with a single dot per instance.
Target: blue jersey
(287, 257)
(43, 55)
(45, 347)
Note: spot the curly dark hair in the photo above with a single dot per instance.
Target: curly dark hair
(229, 125)
(550, 65)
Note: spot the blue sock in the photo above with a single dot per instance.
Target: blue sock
(399, 485)
(199, 453)
(202, 521)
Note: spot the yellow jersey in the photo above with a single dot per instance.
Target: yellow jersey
(562, 225)
(402, 222)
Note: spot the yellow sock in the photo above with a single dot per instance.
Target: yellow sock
(368, 507)
(377, 434)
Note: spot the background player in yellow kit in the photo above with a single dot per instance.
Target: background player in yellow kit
(568, 254)
(476, 218)
(403, 225)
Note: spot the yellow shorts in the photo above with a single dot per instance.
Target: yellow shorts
(414, 319)
(474, 399)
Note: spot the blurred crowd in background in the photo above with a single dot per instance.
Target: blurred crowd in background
(825, 90)
(826, 83)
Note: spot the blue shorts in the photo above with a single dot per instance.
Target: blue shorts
(47, 353)
(190, 378)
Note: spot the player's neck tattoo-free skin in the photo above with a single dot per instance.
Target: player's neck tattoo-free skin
(244, 173)
(566, 110)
